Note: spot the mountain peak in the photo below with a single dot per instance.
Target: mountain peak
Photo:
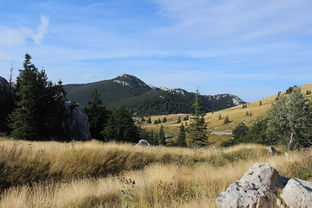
(130, 81)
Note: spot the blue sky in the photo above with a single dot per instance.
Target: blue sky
(251, 48)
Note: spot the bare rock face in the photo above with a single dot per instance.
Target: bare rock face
(297, 193)
(255, 189)
(76, 125)
(5, 101)
(258, 189)
(5, 92)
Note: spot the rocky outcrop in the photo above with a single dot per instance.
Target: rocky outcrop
(5, 90)
(5, 102)
(297, 193)
(259, 186)
(143, 142)
(76, 125)
(255, 189)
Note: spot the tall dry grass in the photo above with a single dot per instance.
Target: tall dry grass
(93, 174)
(157, 185)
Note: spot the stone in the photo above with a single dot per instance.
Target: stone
(255, 189)
(143, 142)
(76, 125)
(272, 151)
(297, 193)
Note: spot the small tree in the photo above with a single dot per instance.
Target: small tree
(164, 120)
(161, 136)
(142, 119)
(182, 137)
(260, 103)
(97, 114)
(179, 120)
(149, 120)
(220, 117)
(289, 121)
(197, 127)
(158, 120)
(186, 118)
(227, 120)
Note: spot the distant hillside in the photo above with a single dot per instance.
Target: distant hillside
(219, 131)
(131, 92)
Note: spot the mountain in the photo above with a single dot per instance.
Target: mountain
(131, 92)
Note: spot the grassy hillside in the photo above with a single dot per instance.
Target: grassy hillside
(134, 94)
(218, 131)
(168, 177)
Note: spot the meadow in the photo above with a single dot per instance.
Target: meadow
(95, 174)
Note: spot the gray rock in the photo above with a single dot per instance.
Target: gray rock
(5, 93)
(255, 189)
(272, 151)
(143, 142)
(76, 125)
(297, 194)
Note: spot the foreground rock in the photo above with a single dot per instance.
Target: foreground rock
(255, 189)
(297, 193)
(259, 186)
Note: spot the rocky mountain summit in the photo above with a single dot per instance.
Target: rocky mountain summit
(260, 187)
(143, 99)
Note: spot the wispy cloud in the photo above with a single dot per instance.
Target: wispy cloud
(11, 37)
(242, 20)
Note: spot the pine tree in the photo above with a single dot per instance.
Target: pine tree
(260, 103)
(38, 106)
(97, 115)
(220, 117)
(197, 128)
(182, 137)
(120, 127)
(227, 120)
(164, 120)
(179, 120)
(149, 120)
(161, 136)
(289, 121)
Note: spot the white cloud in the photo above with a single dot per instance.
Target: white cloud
(242, 20)
(41, 30)
(10, 37)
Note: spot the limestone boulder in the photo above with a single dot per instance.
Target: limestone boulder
(297, 194)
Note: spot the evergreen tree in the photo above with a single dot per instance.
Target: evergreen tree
(260, 103)
(220, 117)
(179, 120)
(186, 118)
(158, 120)
(38, 106)
(97, 115)
(142, 119)
(227, 120)
(164, 120)
(182, 137)
(289, 121)
(161, 136)
(120, 127)
(149, 120)
(197, 127)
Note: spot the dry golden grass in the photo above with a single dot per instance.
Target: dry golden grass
(157, 185)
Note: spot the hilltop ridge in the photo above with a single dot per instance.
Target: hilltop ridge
(143, 99)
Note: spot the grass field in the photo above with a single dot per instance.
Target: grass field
(94, 174)
(236, 115)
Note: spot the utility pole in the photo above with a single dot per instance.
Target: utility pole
(10, 80)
